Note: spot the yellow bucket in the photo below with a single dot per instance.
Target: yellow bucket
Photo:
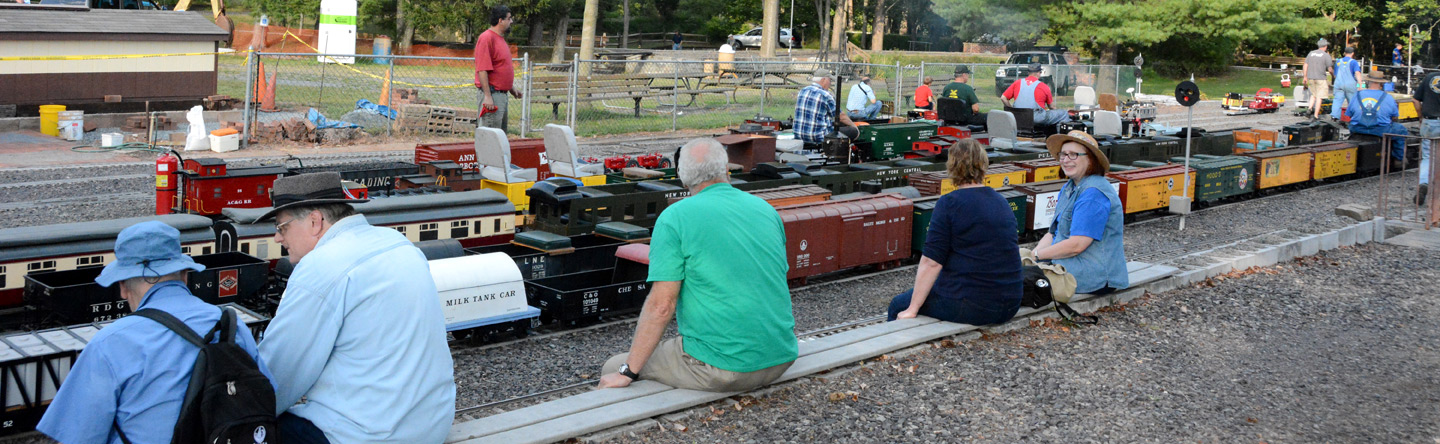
(50, 119)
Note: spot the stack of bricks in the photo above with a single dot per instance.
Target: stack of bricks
(142, 123)
(294, 129)
(406, 96)
(437, 120)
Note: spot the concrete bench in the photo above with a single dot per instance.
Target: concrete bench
(602, 409)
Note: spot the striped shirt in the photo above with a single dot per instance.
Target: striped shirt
(814, 114)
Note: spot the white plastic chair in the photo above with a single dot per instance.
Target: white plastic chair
(1107, 123)
(492, 152)
(1085, 98)
(1001, 127)
(1302, 95)
(564, 154)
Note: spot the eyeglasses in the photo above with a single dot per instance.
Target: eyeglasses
(1072, 156)
(280, 227)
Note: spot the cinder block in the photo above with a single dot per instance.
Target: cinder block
(1267, 256)
(1347, 236)
(1330, 241)
(1364, 232)
(1356, 211)
(1218, 269)
(1379, 226)
(1160, 286)
(1310, 245)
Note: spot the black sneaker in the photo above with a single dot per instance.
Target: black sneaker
(1420, 194)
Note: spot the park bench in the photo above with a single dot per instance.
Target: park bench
(591, 88)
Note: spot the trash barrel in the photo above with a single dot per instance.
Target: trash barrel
(382, 48)
(727, 54)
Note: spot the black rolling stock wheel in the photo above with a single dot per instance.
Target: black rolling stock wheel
(666, 163)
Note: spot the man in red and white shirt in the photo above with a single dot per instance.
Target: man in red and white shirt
(494, 72)
(1031, 93)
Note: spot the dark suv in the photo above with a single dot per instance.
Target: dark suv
(1054, 71)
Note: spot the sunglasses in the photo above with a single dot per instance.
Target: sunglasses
(1072, 156)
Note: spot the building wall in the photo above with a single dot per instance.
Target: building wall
(89, 81)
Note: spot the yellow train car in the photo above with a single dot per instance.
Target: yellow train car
(514, 191)
(1041, 169)
(1333, 159)
(1280, 167)
(1003, 175)
(1148, 189)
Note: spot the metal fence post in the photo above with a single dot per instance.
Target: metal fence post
(390, 89)
(920, 79)
(899, 89)
(675, 110)
(251, 61)
(320, 100)
(764, 82)
(1117, 83)
(524, 91)
(574, 85)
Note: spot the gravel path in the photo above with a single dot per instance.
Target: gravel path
(1334, 348)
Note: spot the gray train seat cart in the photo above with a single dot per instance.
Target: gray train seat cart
(492, 152)
(1085, 98)
(1001, 127)
(564, 154)
(1107, 123)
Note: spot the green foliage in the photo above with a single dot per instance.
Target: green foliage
(1422, 13)
(1002, 20)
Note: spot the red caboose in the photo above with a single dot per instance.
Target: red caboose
(211, 186)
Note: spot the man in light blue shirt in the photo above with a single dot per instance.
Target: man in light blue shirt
(132, 377)
(358, 342)
(861, 102)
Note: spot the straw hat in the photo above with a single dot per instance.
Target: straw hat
(1054, 142)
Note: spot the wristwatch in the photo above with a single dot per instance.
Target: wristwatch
(625, 371)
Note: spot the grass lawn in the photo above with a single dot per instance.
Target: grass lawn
(333, 89)
(1241, 81)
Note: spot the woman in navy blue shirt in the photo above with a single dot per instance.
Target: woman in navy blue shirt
(970, 267)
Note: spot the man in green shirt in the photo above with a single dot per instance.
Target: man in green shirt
(718, 265)
(960, 89)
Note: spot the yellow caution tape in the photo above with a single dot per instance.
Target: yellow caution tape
(111, 57)
(381, 78)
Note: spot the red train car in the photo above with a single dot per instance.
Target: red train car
(835, 235)
(210, 186)
(526, 153)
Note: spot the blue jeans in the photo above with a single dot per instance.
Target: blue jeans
(963, 311)
(297, 430)
(1342, 96)
(676, 47)
(1428, 128)
(870, 112)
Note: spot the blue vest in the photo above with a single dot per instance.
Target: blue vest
(1103, 263)
(1026, 97)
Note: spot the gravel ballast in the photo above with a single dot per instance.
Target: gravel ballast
(1338, 347)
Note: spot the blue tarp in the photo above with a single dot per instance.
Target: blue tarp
(321, 122)
(366, 105)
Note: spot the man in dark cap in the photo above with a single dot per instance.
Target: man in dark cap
(129, 383)
(1347, 72)
(1317, 67)
(960, 89)
(1031, 93)
(358, 342)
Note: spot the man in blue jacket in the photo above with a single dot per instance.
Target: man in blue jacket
(130, 381)
(1373, 112)
(358, 343)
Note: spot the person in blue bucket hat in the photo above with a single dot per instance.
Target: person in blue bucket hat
(132, 377)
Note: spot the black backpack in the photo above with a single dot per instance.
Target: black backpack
(229, 401)
(1036, 294)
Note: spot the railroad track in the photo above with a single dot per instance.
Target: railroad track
(67, 182)
(138, 195)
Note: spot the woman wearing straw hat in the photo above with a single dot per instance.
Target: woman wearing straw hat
(1087, 235)
(970, 267)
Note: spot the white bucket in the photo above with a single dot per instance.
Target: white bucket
(72, 125)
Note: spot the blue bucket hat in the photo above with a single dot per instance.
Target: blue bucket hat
(146, 249)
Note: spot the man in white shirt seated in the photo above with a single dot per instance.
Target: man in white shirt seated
(861, 103)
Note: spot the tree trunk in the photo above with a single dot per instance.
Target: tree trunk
(770, 32)
(406, 33)
(561, 29)
(537, 32)
(837, 29)
(587, 33)
(1106, 78)
(625, 27)
(877, 39)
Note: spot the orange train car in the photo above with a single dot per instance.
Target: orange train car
(1146, 189)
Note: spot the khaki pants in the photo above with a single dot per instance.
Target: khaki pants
(670, 365)
(495, 119)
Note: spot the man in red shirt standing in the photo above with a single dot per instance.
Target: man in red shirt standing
(1031, 93)
(494, 73)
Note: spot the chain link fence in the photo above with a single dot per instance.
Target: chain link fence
(600, 97)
